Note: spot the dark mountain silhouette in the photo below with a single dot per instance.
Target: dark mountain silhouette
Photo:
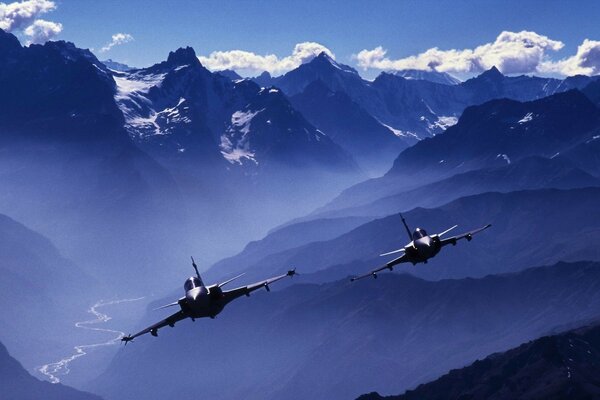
(229, 73)
(507, 128)
(264, 80)
(339, 340)
(17, 384)
(562, 366)
(371, 143)
(492, 134)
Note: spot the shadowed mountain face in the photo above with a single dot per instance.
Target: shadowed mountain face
(493, 134)
(17, 384)
(504, 130)
(119, 168)
(338, 340)
(521, 234)
(563, 366)
(370, 142)
(68, 168)
(186, 116)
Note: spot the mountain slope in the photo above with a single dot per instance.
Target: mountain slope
(493, 134)
(68, 164)
(17, 384)
(561, 366)
(528, 173)
(178, 110)
(37, 289)
(418, 108)
(338, 340)
(371, 143)
(521, 235)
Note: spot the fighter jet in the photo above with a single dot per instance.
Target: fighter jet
(201, 301)
(421, 248)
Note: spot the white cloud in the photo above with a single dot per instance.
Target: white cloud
(511, 53)
(41, 30)
(255, 63)
(116, 40)
(585, 62)
(22, 17)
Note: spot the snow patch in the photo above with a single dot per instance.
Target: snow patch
(235, 144)
(593, 138)
(444, 122)
(241, 120)
(528, 117)
(129, 84)
(505, 157)
(401, 133)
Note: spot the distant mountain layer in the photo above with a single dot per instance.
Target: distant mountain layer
(563, 366)
(528, 227)
(37, 289)
(339, 340)
(17, 384)
(528, 173)
(431, 76)
(418, 108)
(496, 133)
(116, 66)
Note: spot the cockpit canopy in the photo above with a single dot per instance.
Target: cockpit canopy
(419, 233)
(191, 283)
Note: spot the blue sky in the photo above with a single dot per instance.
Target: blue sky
(403, 28)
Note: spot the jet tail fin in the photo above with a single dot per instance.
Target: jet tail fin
(406, 227)
(195, 268)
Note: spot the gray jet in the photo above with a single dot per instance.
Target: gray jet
(421, 248)
(201, 301)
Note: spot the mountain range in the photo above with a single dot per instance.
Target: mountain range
(560, 366)
(338, 340)
(521, 235)
(113, 176)
(496, 133)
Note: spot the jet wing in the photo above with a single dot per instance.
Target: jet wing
(233, 294)
(390, 265)
(153, 329)
(466, 235)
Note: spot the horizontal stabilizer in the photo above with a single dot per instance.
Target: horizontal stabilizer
(392, 252)
(230, 280)
(447, 230)
(167, 305)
